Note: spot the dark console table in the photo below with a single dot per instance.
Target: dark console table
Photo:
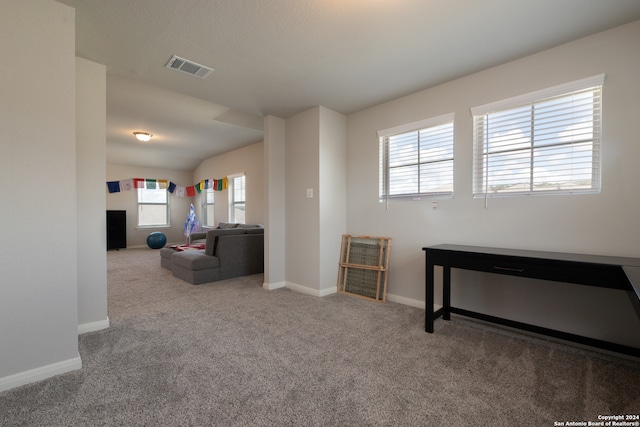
(591, 270)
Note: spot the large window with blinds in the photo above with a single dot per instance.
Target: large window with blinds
(416, 159)
(547, 142)
(237, 200)
(153, 207)
(208, 207)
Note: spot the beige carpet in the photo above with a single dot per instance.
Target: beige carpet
(233, 354)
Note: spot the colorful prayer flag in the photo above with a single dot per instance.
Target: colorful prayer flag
(113, 186)
(126, 185)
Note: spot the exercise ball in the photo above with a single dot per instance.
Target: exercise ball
(156, 240)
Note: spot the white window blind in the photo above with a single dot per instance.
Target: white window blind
(209, 207)
(546, 142)
(417, 159)
(153, 207)
(237, 203)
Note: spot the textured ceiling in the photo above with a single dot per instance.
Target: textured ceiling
(281, 57)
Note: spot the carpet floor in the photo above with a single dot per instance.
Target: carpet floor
(230, 353)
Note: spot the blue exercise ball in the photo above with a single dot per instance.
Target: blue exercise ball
(156, 240)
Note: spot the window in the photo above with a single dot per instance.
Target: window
(237, 199)
(546, 142)
(417, 159)
(208, 208)
(153, 207)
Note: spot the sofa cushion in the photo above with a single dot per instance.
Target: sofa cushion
(198, 237)
(212, 235)
(167, 252)
(225, 225)
(195, 260)
(254, 230)
(165, 257)
(250, 226)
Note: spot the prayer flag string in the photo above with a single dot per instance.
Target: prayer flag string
(163, 184)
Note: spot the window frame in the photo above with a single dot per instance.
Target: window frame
(232, 197)
(206, 207)
(481, 159)
(384, 180)
(145, 203)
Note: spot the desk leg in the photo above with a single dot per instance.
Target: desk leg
(446, 293)
(428, 284)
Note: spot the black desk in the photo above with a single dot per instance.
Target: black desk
(592, 270)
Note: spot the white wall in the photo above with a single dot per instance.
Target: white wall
(128, 200)
(303, 214)
(332, 194)
(91, 200)
(316, 162)
(247, 160)
(275, 202)
(604, 223)
(38, 258)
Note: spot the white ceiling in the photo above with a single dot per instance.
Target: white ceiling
(281, 57)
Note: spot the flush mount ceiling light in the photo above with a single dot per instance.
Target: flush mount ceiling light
(143, 136)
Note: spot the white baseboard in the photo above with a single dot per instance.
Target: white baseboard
(309, 291)
(328, 291)
(411, 302)
(272, 286)
(333, 289)
(41, 373)
(302, 289)
(406, 301)
(93, 326)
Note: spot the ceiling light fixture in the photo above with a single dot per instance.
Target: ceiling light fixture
(143, 136)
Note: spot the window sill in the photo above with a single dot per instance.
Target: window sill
(147, 227)
(416, 197)
(536, 193)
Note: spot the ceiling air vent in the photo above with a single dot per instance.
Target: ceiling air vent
(189, 67)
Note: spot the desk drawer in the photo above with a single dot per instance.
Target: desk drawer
(601, 275)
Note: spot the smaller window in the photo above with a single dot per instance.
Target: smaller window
(417, 159)
(237, 199)
(153, 207)
(208, 208)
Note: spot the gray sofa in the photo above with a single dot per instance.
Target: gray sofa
(232, 251)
